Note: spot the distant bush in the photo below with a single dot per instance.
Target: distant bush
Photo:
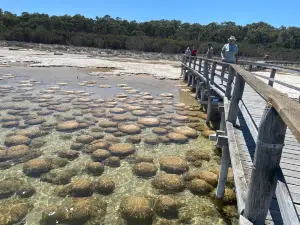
(167, 36)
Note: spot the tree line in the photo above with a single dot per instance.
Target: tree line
(168, 36)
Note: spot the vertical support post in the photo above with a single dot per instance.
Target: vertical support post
(200, 65)
(195, 60)
(270, 141)
(250, 67)
(193, 83)
(185, 74)
(229, 82)
(212, 74)
(189, 78)
(236, 97)
(208, 91)
(225, 162)
(182, 66)
(222, 123)
(198, 88)
(190, 61)
(223, 73)
(202, 92)
(272, 75)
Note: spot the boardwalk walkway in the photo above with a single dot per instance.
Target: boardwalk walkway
(283, 206)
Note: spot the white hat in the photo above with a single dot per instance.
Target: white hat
(232, 38)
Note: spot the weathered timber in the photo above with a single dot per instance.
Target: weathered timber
(209, 106)
(236, 97)
(272, 75)
(244, 221)
(212, 73)
(225, 162)
(287, 108)
(194, 65)
(229, 83)
(268, 151)
(287, 208)
(240, 138)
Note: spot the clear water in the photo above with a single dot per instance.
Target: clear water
(201, 208)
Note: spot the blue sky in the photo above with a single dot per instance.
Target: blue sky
(275, 12)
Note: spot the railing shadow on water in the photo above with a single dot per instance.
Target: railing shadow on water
(221, 85)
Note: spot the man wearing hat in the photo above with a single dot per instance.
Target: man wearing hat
(229, 51)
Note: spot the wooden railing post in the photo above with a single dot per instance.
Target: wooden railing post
(225, 160)
(270, 140)
(182, 66)
(195, 60)
(208, 83)
(250, 67)
(190, 61)
(212, 73)
(272, 75)
(200, 65)
(229, 83)
(208, 90)
(223, 73)
(198, 88)
(236, 97)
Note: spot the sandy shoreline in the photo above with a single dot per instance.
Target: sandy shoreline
(113, 65)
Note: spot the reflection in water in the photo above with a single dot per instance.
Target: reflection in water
(51, 124)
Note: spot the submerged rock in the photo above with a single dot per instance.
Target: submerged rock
(100, 155)
(207, 176)
(69, 154)
(95, 168)
(138, 210)
(105, 186)
(187, 131)
(17, 140)
(149, 121)
(168, 182)
(36, 167)
(122, 149)
(177, 138)
(11, 186)
(58, 177)
(85, 139)
(77, 188)
(198, 186)
(144, 169)
(206, 133)
(68, 126)
(173, 164)
(130, 129)
(167, 207)
(134, 139)
(18, 208)
(113, 161)
(76, 211)
(195, 155)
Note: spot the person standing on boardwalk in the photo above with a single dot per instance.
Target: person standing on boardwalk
(229, 51)
(188, 51)
(209, 53)
(194, 52)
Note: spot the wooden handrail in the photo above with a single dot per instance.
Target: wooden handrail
(288, 109)
(280, 112)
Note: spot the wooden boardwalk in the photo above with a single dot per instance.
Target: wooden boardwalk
(284, 207)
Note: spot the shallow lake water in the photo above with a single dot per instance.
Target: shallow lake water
(71, 94)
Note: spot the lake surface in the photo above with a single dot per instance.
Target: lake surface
(52, 107)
